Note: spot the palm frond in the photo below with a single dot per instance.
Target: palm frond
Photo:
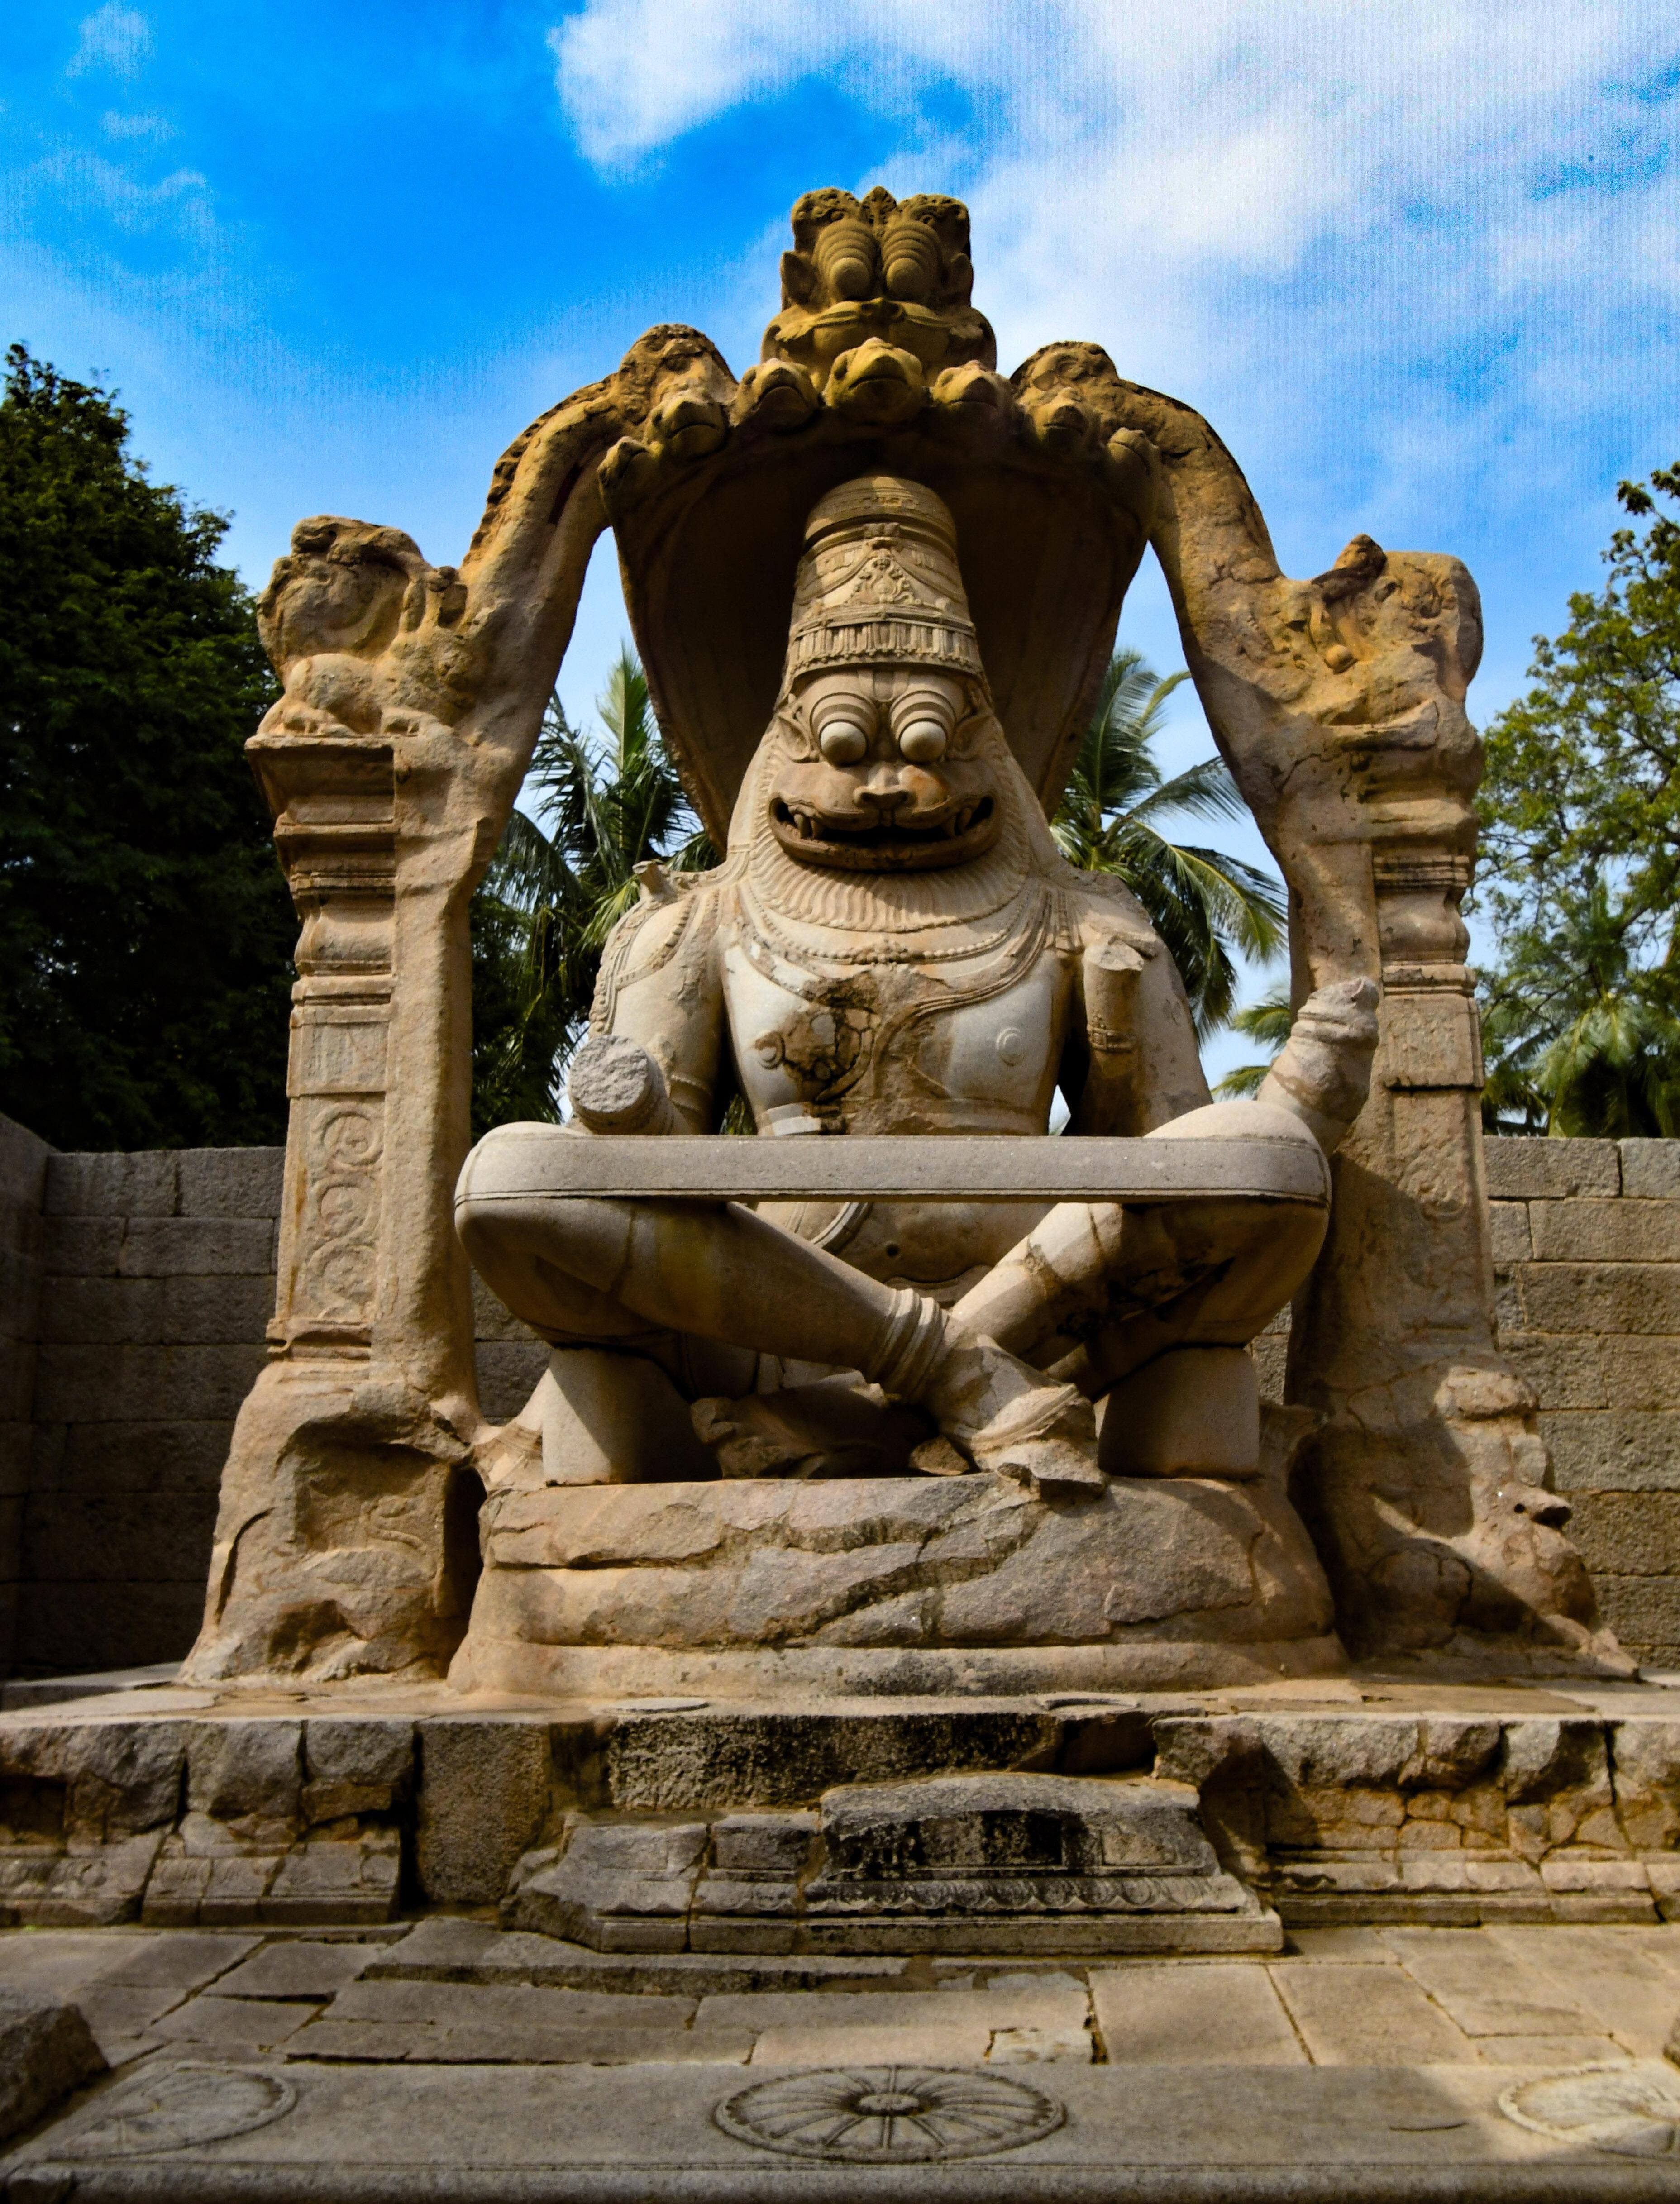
(594, 807)
(1208, 907)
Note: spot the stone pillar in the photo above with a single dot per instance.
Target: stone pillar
(1426, 1483)
(346, 1534)
(1339, 704)
(335, 832)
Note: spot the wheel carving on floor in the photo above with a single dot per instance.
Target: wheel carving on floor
(1633, 2111)
(890, 2115)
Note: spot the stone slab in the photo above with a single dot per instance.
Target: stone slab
(1538, 1169)
(1487, 1989)
(518, 1162)
(647, 2134)
(444, 1950)
(1627, 1991)
(297, 1968)
(1034, 1935)
(1366, 2017)
(56, 1691)
(1211, 2015)
(225, 2023)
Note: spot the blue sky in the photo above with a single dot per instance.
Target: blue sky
(1420, 267)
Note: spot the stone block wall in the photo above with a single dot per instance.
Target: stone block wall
(23, 1172)
(1587, 1256)
(135, 1292)
(157, 1285)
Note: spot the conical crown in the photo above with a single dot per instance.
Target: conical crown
(878, 581)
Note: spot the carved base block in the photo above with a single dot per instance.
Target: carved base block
(344, 1535)
(970, 1585)
(1003, 1863)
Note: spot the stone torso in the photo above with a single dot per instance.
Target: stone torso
(958, 1044)
(967, 1047)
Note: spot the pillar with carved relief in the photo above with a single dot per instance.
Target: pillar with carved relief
(1425, 1481)
(366, 1547)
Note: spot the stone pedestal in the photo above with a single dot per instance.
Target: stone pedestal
(643, 1844)
(958, 1584)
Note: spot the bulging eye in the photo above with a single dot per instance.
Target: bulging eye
(843, 742)
(923, 741)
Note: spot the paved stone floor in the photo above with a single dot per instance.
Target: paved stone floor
(1452, 2020)
(1541, 1997)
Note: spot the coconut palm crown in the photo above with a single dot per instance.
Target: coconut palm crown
(1206, 906)
(595, 809)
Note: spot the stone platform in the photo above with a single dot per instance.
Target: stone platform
(1071, 1822)
(772, 1588)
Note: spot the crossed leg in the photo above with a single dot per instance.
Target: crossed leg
(1090, 1296)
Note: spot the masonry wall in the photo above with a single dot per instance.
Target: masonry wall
(23, 1172)
(1587, 1255)
(137, 1291)
(157, 1282)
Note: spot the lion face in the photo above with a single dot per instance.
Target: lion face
(883, 771)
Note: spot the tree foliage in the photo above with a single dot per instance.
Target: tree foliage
(566, 872)
(1206, 906)
(1266, 1022)
(1580, 853)
(144, 927)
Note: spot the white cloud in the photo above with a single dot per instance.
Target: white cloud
(181, 200)
(1273, 211)
(1240, 140)
(114, 37)
(134, 125)
(634, 74)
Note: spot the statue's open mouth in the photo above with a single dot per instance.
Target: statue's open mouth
(892, 842)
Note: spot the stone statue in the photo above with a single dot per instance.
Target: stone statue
(980, 1419)
(893, 946)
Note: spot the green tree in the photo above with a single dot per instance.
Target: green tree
(1267, 1022)
(1581, 852)
(1581, 1039)
(1206, 906)
(564, 874)
(145, 928)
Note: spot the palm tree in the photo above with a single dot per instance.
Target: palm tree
(1582, 1036)
(1266, 1021)
(1204, 904)
(564, 874)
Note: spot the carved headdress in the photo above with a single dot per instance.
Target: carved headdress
(877, 369)
(879, 583)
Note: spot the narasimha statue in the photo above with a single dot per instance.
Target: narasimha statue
(894, 946)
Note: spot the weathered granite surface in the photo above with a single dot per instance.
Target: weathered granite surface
(1329, 1803)
(137, 1290)
(46, 2051)
(1515, 2062)
(1587, 1257)
(906, 1583)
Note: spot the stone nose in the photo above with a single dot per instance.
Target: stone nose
(884, 790)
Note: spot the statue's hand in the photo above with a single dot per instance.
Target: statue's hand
(616, 1087)
(1324, 1072)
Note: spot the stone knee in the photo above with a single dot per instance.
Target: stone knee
(554, 1263)
(1267, 1264)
